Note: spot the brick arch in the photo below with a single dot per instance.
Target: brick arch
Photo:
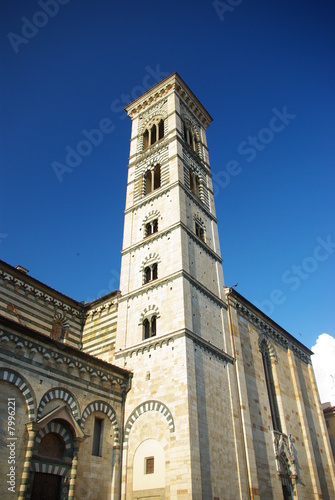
(152, 405)
(148, 312)
(154, 117)
(154, 214)
(150, 259)
(57, 428)
(269, 347)
(106, 408)
(64, 395)
(21, 383)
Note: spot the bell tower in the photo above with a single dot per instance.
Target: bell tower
(172, 328)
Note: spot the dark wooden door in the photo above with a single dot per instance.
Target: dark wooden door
(46, 486)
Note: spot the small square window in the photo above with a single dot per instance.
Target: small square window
(149, 465)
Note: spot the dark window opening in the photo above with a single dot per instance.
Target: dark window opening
(153, 134)
(199, 231)
(98, 437)
(148, 182)
(161, 129)
(150, 273)
(157, 177)
(146, 139)
(151, 227)
(146, 326)
(189, 137)
(271, 388)
(149, 466)
(154, 271)
(149, 327)
(152, 179)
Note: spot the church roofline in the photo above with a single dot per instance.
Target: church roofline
(24, 277)
(242, 300)
(175, 79)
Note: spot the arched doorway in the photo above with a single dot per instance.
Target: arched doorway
(51, 462)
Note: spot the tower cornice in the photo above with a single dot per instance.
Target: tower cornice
(174, 83)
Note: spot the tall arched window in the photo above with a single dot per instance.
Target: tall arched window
(152, 179)
(270, 387)
(153, 134)
(161, 130)
(189, 136)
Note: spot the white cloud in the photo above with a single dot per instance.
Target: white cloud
(324, 367)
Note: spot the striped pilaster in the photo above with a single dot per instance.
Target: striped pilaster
(27, 461)
(73, 473)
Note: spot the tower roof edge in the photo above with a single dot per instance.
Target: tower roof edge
(172, 81)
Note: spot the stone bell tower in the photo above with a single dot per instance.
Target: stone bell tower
(172, 322)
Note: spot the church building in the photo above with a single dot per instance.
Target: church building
(173, 387)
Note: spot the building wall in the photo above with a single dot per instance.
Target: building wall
(57, 390)
(298, 405)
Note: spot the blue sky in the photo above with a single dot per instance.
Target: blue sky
(263, 70)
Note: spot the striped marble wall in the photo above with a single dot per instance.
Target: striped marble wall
(28, 301)
(99, 331)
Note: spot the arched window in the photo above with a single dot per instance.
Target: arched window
(157, 177)
(148, 182)
(149, 327)
(154, 133)
(189, 136)
(152, 179)
(146, 139)
(150, 273)
(270, 387)
(151, 228)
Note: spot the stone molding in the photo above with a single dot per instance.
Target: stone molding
(57, 428)
(103, 308)
(158, 342)
(62, 361)
(38, 294)
(152, 405)
(64, 395)
(9, 375)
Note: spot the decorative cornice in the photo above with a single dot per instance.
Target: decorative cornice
(103, 308)
(38, 294)
(176, 84)
(65, 361)
(266, 329)
(155, 343)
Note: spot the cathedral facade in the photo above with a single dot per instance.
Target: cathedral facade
(175, 387)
